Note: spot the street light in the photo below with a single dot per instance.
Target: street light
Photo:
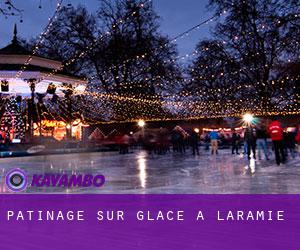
(197, 130)
(141, 123)
(248, 118)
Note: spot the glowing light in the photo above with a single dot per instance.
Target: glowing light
(142, 168)
(197, 130)
(141, 123)
(80, 88)
(252, 165)
(248, 118)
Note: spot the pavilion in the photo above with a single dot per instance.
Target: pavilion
(25, 79)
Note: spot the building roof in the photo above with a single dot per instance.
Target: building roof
(14, 48)
(14, 56)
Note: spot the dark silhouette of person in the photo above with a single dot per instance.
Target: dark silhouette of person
(194, 140)
(235, 139)
(250, 138)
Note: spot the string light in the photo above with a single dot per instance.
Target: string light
(91, 46)
(40, 39)
(185, 103)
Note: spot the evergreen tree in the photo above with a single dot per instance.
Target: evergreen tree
(12, 120)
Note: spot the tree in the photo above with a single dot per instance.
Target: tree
(213, 78)
(136, 56)
(250, 44)
(12, 121)
(121, 48)
(70, 35)
(8, 8)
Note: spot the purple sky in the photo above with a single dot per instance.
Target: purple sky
(176, 17)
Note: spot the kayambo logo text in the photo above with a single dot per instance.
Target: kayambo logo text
(17, 180)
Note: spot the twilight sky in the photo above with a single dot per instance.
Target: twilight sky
(176, 17)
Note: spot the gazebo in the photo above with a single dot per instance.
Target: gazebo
(25, 76)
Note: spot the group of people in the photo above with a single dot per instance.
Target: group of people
(254, 139)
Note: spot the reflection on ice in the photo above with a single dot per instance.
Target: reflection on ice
(142, 167)
(252, 165)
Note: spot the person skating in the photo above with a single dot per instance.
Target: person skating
(235, 139)
(214, 141)
(250, 139)
(276, 134)
(261, 136)
(194, 140)
(290, 143)
(207, 141)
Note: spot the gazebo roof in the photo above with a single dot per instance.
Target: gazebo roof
(14, 55)
(13, 59)
(14, 48)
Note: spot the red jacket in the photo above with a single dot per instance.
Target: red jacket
(275, 131)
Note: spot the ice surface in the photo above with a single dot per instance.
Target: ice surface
(139, 172)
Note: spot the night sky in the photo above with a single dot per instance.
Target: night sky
(176, 17)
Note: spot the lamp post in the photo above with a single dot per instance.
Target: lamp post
(248, 118)
(32, 84)
(141, 124)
